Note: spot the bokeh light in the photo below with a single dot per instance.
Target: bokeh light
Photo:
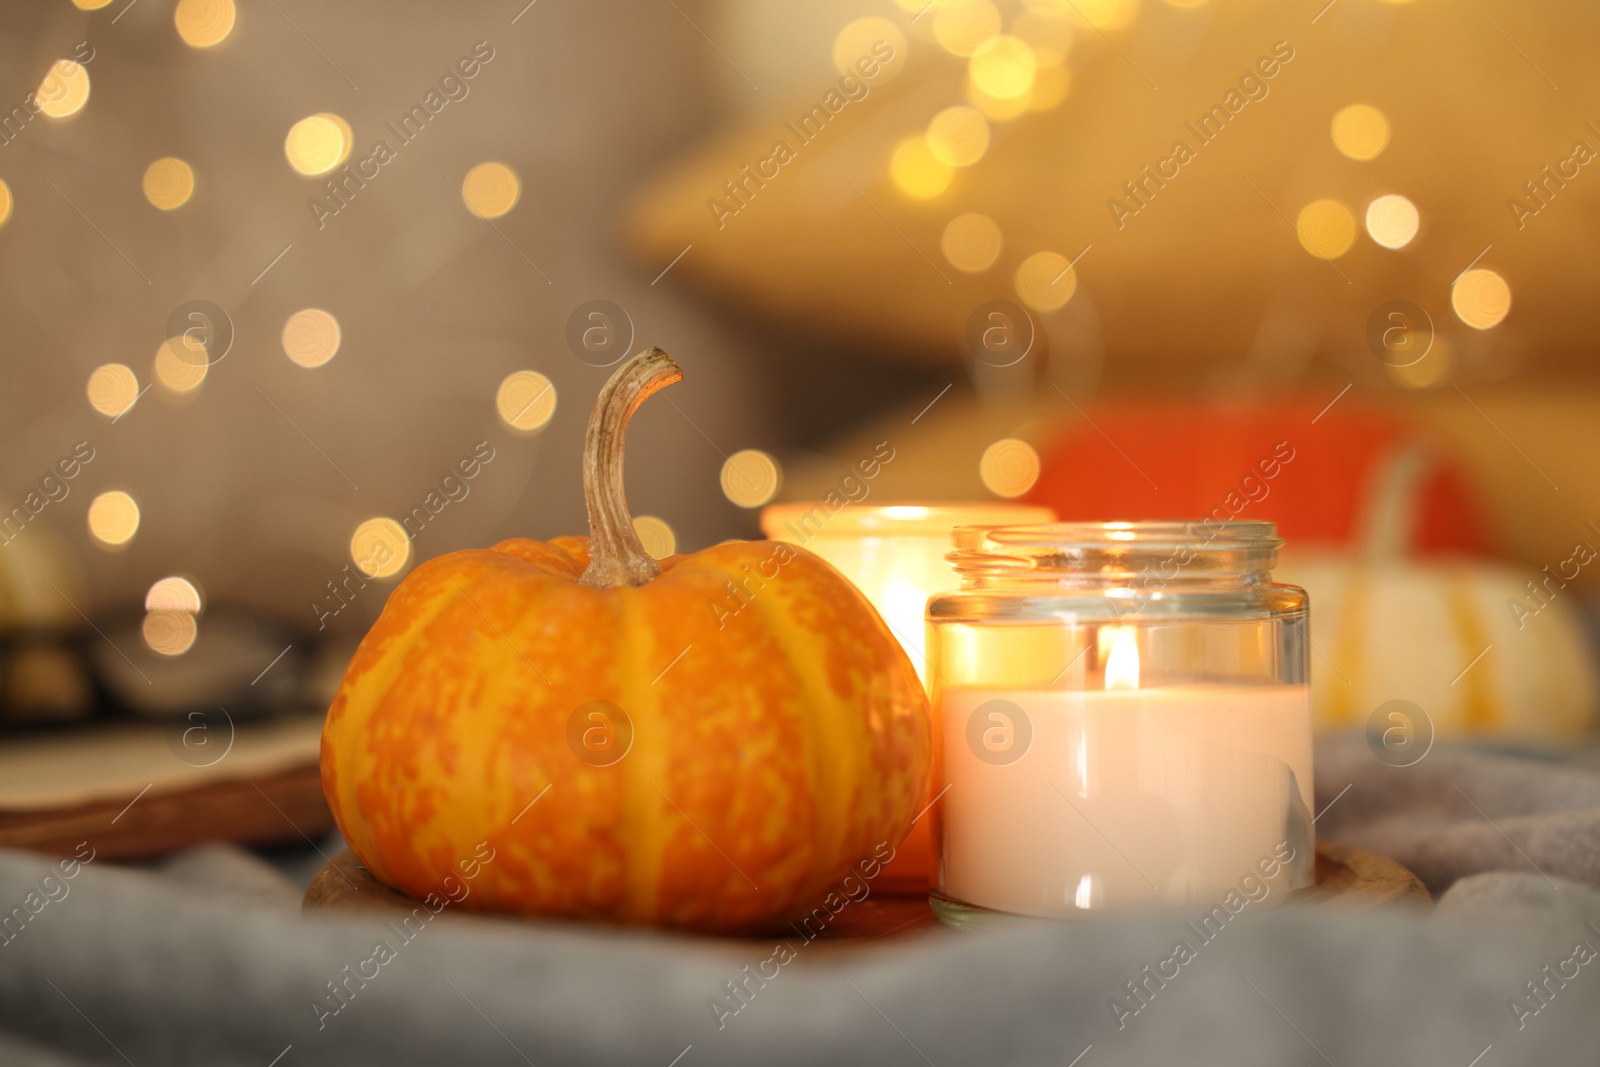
(113, 518)
(958, 136)
(1434, 368)
(90, 5)
(179, 370)
(963, 28)
(656, 536)
(318, 143)
(64, 90)
(1326, 229)
(173, 593)
(112, 389)
(1481, 298)
(490, 190)
(526, 401)
(170, 633)
(916, 171)
(1360, 131)
(168, 183)
(1392, 221)
(1106, 14)
(1003, 68)
(1009, 467)
(856, 41)
(971, 242)
(204, 23)
(5, 203)
(995, 109)
(751, 478)
(311, 337)
(1045, 282)
(380, 547)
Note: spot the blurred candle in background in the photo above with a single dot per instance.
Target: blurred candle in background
(895, 555)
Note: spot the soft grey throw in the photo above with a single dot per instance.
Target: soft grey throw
(207, 960)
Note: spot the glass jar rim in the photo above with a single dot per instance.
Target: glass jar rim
(911, 520)
(1107, 548)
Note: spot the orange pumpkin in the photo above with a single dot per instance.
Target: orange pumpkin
(628, 740)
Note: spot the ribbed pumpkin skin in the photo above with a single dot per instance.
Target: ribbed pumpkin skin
(777, 752)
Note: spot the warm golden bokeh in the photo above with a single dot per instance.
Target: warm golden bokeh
(971, 242)
(180, 367)
(173, 593)
(490, 190)
(1392, 221)
(958, 136)
(64, 90)
(1434, 368)
(168, 183)
(526, 401)
(204, 23)
(1326, 229)
(962, 28)
(751, 478)
(1044, 281)
(318, 143)
(1481, 299)
(112, 389)
(1003, 68)
(90, 5)
(855, 43)
(380, 547)
(1361, 131)
(311, 337)
(1106, 14)
(916, 171)
(994, 108)
(656, 536)
(113, 518)
(170, 633)
(5, 203)
(1009, 467)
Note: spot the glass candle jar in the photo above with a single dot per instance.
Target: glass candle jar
(1122, 720)
(895, 554)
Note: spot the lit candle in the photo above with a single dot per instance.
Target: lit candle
(1109, 738)
(894, 554)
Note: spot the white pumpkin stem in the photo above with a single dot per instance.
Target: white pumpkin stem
(616, 555)
(1391, 513)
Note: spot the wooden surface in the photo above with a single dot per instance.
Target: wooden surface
(268, 810)
(1346, 877)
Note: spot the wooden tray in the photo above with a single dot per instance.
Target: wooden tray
(1346, 877)
(272, 809)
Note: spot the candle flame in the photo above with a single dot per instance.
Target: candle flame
(1122, 665)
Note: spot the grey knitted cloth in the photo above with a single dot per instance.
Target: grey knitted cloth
(207, 960)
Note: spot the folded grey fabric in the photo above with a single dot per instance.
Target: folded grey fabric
(141, 967)
(1458, 811)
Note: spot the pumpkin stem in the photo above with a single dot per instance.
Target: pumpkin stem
(616, 555)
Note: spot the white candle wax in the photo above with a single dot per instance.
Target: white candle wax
(1119, 797)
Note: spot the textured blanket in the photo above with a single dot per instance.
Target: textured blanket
(207, 960)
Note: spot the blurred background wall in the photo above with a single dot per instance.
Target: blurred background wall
(253, 482)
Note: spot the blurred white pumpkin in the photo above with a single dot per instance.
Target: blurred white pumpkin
(1441, 632)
